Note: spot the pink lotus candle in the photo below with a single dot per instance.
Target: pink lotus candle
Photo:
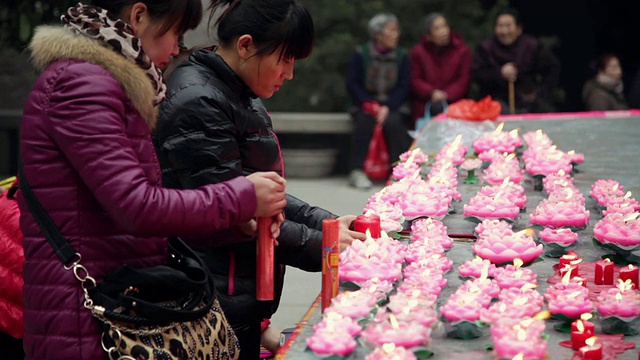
(576, 158)
(523, 340)
(630, 273)
(459, 308)
(502, 249)
(453, 151)
(604, 272)
(525, 294)
(622, 302)
(378, 288)
(499, 310)
(604, 188)
(621, 230)
(515, 276)
(331, 342)
(390, 352)
(353, 304)
(546, 161)
(416, 155)
(560, 214)
(485, 207)
(475, 267)
(537, 138)
(569, 299)
(488, 226)
(622, 208)
(435, 207)
(406, 170)
(513, 192)
(564, 237)
(498, 140)
(364, 260)
(332, 320)
(405, 334)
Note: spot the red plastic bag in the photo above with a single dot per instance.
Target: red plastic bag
(467, 109)
(376, 165)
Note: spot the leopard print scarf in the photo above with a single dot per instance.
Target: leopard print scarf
(98, 24)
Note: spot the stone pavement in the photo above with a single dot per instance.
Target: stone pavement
(301, 288)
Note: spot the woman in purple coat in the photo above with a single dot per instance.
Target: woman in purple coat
(88, 156)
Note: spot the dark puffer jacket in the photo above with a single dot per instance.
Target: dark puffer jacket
(85, 142)
(213, 128)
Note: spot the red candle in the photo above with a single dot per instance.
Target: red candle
(630, 273)
(330, 260)
(592, 350)
(265, 260)
(581, 330)
(570, 258)
(369, 222)
(604, 272)
(569, 268)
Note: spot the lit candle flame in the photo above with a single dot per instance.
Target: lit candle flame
(632, 216)
(561, 172)
(520, 301)
(528, 286)
(586, 316)
(580, 326)
(607, 260)
(571, 152)
(615, 187)
(522, 335)
(520, 356)
(567, 275)
(389, 348)
(591, 341)
(502, 307)
(627, 195)
(485, 271)
(542, 315)
(499, 128)
(393, 321)
(513, 133)
(618, 297)
(624, 285)
(527, 232)
(412, 303)
(517, 262)
(368, 234)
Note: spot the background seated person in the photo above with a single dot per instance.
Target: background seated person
(511, 56)
(604, 90)
(440, 67)
(378, 81)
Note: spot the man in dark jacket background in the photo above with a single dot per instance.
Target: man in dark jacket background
(511, 56)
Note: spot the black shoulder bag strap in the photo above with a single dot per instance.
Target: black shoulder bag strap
(60, 245)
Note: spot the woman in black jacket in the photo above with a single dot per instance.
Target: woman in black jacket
(213, 127)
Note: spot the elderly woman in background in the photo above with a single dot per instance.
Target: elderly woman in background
(378, 81)
(440, 67)
(604, 90)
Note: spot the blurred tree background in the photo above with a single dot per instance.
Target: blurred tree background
(341, 25)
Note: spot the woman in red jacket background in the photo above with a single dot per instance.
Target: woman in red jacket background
(440, 67)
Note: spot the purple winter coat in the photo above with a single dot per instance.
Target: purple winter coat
(88, 155)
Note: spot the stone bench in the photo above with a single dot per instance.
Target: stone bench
(313, 143)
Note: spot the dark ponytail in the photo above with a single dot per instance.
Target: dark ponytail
(186, 13)
(271, 24)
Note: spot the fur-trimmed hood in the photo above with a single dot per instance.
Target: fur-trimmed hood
(53, 43)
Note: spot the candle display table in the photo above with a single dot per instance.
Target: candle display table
(611, 147)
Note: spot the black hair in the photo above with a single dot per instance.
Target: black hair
(602, 61)
(271, 24)
(186, 13)
(512, 12)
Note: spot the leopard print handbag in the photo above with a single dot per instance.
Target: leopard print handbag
(208, 338)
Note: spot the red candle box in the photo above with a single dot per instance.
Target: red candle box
(369, 222)
(330, 260)
(604, 272)
(581, 330)
(592, 350)
(630, 273)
